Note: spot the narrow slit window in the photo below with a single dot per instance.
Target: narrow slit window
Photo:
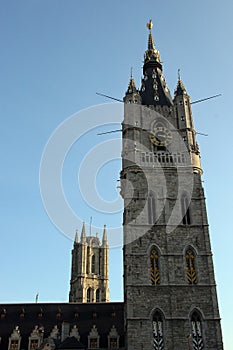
(190, 267)
(151, 209)
(97, 295)
(89, 295)
(93, 264)
(154, 266)
(185, 210)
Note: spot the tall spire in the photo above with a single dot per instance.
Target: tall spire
(154, 90)
(83, 234)
(151, 54)
(105, 239)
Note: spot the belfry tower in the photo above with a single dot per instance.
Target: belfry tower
(89, 273)
(169, 285)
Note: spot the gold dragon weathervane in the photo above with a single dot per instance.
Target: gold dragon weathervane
(150, 25)
(151, 53)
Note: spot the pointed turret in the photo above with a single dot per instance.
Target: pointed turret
(104, 239)
(76, 237)
(154, 89)
(180, 89)
(83, 234)
(185, 123)
(132, 93)
(131, 87)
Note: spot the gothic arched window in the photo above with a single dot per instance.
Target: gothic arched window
(151, 209)
(196, 331)
(190, 266)
(154, 266)
(158, 337)
(97, 296)
(89, 295)
(93, 263)
(185, 210)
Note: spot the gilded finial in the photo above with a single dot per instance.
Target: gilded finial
(150, 25)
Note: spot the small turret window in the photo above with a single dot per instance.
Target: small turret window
(34, 344)
(113, 343)
(14, 344)
(93, 343)
(156, 98)
(182, 118)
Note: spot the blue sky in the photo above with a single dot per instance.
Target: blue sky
(55, 55)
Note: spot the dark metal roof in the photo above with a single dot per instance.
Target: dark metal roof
(48, 315)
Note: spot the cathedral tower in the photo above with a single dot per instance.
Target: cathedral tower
(89, 274)
(169, 285)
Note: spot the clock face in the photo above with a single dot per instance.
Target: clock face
(161, 136)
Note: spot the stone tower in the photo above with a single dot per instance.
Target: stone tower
(169, 285)
(89, 273)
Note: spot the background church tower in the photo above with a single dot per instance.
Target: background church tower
(89, 273)
(169, 285)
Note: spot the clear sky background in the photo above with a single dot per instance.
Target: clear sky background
(54, 56)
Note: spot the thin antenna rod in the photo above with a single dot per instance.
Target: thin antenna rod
(37, 297)
(204, 99)
(197, 101)
(111, 98)
(200, 133)
(109, 132)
